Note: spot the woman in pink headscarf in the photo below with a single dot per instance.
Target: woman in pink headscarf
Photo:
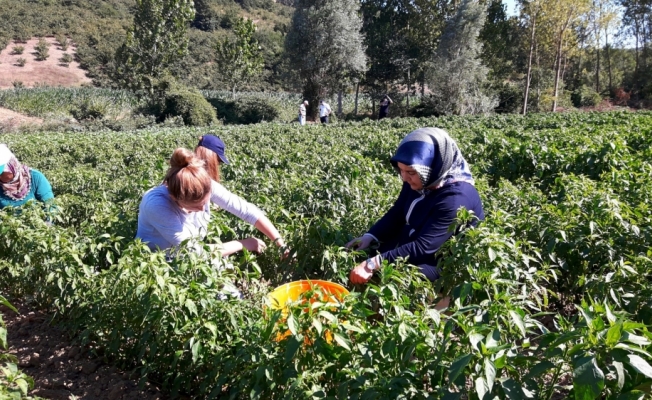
(20, 183)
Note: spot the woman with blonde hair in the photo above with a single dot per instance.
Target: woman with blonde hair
(211, 150)
(178, 209)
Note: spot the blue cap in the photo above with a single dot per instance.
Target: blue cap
(212, 142)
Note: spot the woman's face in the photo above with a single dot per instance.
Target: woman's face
(409, 175)
(194, 206)
(6, 177)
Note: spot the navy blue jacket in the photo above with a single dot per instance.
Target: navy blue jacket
(417, 225)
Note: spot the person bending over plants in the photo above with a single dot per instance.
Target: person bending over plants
(436, 183)
(211, 150)
(21, 183)
(179, 208)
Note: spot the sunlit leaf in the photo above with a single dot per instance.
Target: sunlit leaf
(640, 365)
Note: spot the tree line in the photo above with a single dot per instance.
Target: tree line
(433, 56)
(470, 56)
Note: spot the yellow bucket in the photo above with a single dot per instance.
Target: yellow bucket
(292, 291)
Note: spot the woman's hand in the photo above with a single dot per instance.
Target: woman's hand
(268, 229)
(281, 245)
(364, 271)
(360, 243)
(253, 244)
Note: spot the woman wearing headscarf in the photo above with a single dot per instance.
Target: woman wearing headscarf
(436, 183)
(19, 182)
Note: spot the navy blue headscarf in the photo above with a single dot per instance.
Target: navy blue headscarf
(435, 156)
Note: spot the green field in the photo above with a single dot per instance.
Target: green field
(552, 295)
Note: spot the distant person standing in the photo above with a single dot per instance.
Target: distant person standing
(384, 107)
(302, 112)
(324, 112)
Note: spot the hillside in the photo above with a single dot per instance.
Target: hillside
(98, 28)
(50, 72)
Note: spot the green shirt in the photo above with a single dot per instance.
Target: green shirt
(40, 190)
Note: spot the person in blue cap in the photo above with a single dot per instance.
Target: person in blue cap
(436, 183)
(211, 150)
(20, 183)
(178, 210)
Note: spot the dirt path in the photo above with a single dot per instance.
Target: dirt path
(10, 120)
(62, 370)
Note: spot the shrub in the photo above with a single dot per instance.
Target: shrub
(621, 97)
(21, 62)
(190, 105)
(171, 99)
(254, 110)
(245, 110)
(66, 59)
(89, 110)
(18, 84)
(63, 42)
(564, 101)
(229, 19)
(586, 96)
(18, 50)
(13, 383)
(510, 98)
(42, 50)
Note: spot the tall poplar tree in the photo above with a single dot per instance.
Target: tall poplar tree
(325, 47)
(156, 41)
(240, 59)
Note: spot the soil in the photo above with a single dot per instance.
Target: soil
(10, 120)
(49, 72)
(61, 369)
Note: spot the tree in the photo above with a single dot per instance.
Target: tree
(559, 16)
(600, 18)
(325, 47)
(500, 37)
(241, 59)
(156, 41)
(206, 19)
(636, 17)
(401, 38)
(531, 11)
(458, 79)
(608, 22)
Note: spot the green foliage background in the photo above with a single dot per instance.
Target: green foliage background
(550, 294)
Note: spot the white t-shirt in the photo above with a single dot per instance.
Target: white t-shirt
(163, 224)
(324, 109)
(302, 110)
